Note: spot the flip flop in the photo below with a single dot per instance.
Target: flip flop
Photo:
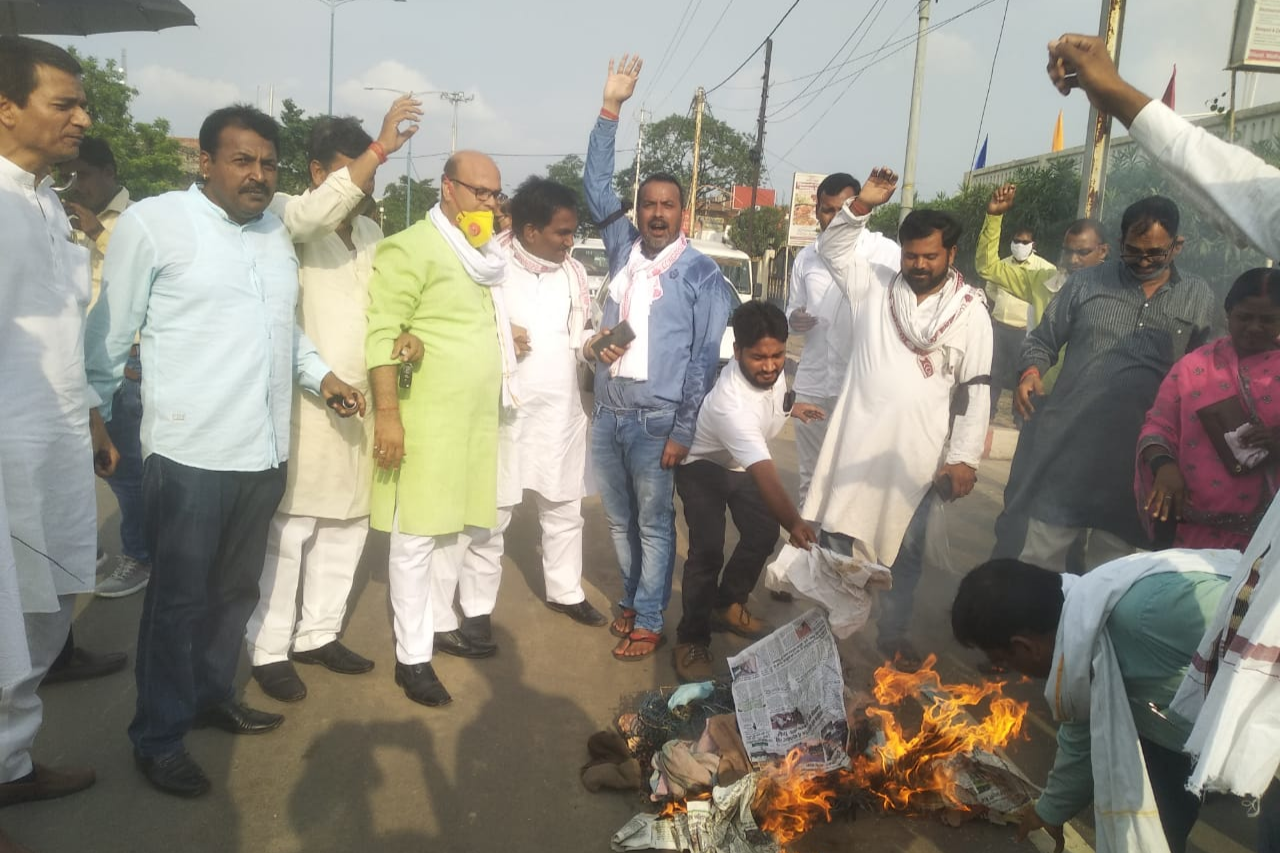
(639, 637)
(627, 621)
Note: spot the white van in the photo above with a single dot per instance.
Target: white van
(734, 265)
(591, 254)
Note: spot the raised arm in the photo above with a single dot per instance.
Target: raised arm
(617, 232)
(836, 246)
(1017, 279)
(1234, 187)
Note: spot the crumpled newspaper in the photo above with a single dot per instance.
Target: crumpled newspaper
(722, 824)
(843, 585)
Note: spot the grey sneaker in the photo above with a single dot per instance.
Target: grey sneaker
(128, 576)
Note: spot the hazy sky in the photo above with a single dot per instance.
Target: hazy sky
(536, 70)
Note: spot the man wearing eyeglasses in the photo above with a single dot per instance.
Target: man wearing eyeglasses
(436, 426)
(1124, 324)
(1083, 245)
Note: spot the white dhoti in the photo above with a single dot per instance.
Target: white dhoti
(322, 555)
(470, 568)
(561, 523)
(21, 710)
(809, 438)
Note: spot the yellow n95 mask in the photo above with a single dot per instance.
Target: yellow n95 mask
(476, 226)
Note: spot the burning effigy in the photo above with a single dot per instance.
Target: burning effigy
(816, 748)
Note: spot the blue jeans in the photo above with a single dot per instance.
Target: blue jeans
(895, 607)
(207, 532)
(639, 501)
(126, 421)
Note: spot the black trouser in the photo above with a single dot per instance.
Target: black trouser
(1269, 820)
(707, 490)
(207, 534)
(1178, 807)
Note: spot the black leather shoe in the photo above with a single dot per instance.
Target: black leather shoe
(280, 681)
(83, 664)
(237, 718)
(459, 645)
(176, 774)
(334, 657)
(582, 613)
(421, 684)
(479, 630)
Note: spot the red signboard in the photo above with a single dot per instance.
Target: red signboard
(742, 197)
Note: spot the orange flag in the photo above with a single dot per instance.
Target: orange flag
(1057, 134)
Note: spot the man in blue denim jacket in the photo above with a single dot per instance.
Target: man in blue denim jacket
(647, 394)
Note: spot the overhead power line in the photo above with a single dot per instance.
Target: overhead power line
(675, 48)
(758, 48)
(782, 107)
(698, 52)
(982, 119)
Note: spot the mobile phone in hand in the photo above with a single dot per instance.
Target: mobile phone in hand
(619, 336)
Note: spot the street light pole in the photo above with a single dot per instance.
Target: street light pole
(913, 120)
(333, 8)
(455, 98)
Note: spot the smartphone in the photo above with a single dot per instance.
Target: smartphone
(619, 336)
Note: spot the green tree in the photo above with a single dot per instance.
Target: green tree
(725, 157)
(423, 198)
(294, 175)
(568, 172)
(759, 230)
(148, 160)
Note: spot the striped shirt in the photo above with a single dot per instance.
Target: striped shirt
(1120, 345)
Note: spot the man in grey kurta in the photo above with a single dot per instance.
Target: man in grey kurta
(1124, 323)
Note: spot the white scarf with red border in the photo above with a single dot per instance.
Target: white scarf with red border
(580, 308)
(635, 288)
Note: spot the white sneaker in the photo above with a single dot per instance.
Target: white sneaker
(102, 559)
(128, 576)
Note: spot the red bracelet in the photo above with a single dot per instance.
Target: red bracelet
(1028, 371)
(606, 114)
(379, 151)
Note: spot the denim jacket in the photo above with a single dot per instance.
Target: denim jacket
(685, 325)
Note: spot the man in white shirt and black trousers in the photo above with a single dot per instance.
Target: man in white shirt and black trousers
(729, 467)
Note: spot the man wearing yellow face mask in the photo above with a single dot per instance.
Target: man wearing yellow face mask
(436, 435)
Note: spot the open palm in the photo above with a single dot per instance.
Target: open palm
(879, 187)
(621, 82)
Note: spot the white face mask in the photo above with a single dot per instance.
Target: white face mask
(1021, 251)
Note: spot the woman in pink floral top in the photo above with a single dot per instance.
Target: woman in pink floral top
(1216, 481)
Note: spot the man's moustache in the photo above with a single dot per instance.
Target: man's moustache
(254, 188)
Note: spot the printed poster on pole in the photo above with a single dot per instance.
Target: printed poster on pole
(803, 227)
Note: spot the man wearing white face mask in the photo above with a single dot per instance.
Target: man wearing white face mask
(1009, 314)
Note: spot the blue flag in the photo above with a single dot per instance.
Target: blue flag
(981, 162)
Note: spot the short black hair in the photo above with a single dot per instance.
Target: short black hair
(1152, 210)
(536, 201)
(238, 115)
(662, 178)
(755, 320)
(836, 183)
(1080, 226)
(1260, 281)
(1024, 229)
(334, 135)
(97, 153)
(1002, 599)
(19, 58)
(919, 224)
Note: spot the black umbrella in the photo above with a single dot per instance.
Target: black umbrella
(85, 17)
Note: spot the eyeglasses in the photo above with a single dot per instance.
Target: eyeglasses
(1132, 255)
(481, 193)
(1068, 252)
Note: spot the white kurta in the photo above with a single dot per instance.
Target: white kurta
(45, 457)
(550, 431)
(330, 471)
(15, 660)
(888, 433)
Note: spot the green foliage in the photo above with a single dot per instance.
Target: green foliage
(569, 172)
(148, 160)
(759, 230)
(423, 197)
(294, 174)
(724, 159)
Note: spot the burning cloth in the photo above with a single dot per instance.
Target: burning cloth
(843, 585)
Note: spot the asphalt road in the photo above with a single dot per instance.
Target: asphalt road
(358, 767)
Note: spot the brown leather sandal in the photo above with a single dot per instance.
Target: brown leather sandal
(647, 642)
(624, 624)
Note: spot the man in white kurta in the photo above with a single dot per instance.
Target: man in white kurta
(319, 530)
(820, 311)
(893, 448)
(46, 456)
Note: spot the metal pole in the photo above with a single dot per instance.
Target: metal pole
(1231, 111)
(408, 182)
(758, 155)
(455, 98)
(333, 7)
(1093, 172)
(913, 122)
(641, 117)
(699, 99)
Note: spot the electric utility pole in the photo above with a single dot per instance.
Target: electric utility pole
(913, 123)
(699, 101)
(1093, 172)
(642, 118)
(758, 155)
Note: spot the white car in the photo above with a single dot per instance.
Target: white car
(591, 254)
(734, 265)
